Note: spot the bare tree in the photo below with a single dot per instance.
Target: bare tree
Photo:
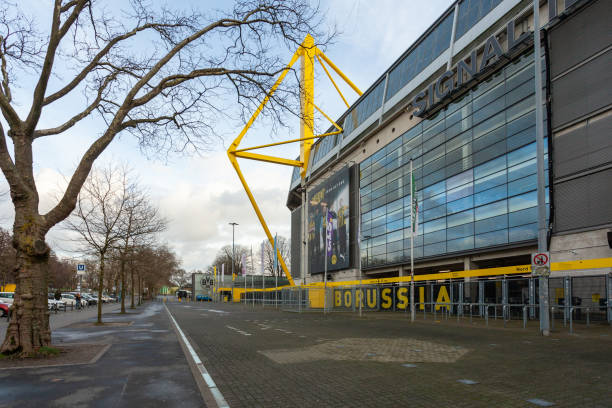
(97, 218)
(138, 225)
(224, 256)
(157, 74)
(284, 247)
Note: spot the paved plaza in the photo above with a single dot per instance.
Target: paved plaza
(273, 358)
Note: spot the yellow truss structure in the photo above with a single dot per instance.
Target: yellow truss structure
(308, 52)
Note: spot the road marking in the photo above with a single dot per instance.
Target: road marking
(468, 382)
(238, 331)
(219, 399)
(541, 402)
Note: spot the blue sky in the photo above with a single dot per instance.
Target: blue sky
(201, 194)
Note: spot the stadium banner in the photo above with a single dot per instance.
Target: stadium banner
(332, 195)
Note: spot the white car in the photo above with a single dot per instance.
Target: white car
(7, 297)
(69, 299)
(53, 304)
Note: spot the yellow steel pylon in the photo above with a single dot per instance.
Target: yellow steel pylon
(308, 52)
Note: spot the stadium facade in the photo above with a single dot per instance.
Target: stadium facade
(459, 106)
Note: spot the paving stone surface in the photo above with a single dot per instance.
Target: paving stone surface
(279, 359)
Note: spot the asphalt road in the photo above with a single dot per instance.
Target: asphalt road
(279, 359)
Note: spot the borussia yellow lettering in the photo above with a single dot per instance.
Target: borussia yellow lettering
(348, 298)
(421, 297)
(337, 298)
(373, 299)
(387, 302)
(443, 298)
(402, 298)
(359, 297)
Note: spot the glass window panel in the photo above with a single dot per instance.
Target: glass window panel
(470, 12)
(519, 77)
(490, 152)
(523, 201)
(395, 236)
(458, 141)
(460, 205)
(459, 180)
(461, 244)
(434, 213)
(461, 153)
(434, 177)
(380, 201)
(433, 237)
(433, 190)
(491, 238)
(526, 216)
(460, 231)
(488, 196)
(434, 154)
(458, 103)
(522, 154)
(394, 175)
(434, 166)
(491, 95)
(491, 210)
(521, 123)
(520, 139)
(490, 167)
(460, 218)
(434, 249)
(379, 212)
(523, 169)
(434, 142)
(524, 232)
(520, 92)
(418, 252)
(379, 192)
(378, 250)
(491, 224)
(435, 225)
(380, 240)
(434, 130)
(523, 185)
(459, 115)
(460, 192)
(395, 145)
(458, 167)
(490, 181)
(395, 215)
(394, 195)
(395, 225)
(377, 222)
(395, 257)
(395, 205)
(490, 138)
(434, 201)
(489, 110)
(520, 108)
(418, 240)
(488, 125)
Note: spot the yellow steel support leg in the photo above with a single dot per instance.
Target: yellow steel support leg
(308, 52)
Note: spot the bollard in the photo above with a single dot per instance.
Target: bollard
(487, 315)
(588, 320)
(552, 318)
(571, 312)
(524, 317)
(435, 312)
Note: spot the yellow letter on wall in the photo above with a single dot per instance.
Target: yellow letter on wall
(443, 298)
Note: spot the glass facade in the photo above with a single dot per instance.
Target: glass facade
(430, 48)
(471, 12)
(474, 168)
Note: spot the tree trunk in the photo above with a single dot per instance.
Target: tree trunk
(122, 272)
(100, 287)
(30, 306)
(132, 306)
(28, 329)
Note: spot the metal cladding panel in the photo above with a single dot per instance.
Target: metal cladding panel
(583, 147)
(354, 215)
(583, 90)
(584, 34)
(583, 202)
(296, 240)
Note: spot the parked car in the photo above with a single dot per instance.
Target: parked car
(4, 310)
(69, 299)
(90, 299)
(203, 298)
(7, 297)
(106, 299)
(53, 304)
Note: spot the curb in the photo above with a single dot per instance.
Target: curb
(208, 389)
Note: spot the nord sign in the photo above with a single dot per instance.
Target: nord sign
(466, 71)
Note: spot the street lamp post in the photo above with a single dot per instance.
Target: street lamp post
(233, 224)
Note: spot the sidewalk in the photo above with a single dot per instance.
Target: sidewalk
(144, 366)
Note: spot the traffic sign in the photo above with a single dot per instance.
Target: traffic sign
(81, 269)
(540, 264)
